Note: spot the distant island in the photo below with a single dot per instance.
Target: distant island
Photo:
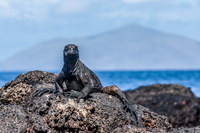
(131, 47)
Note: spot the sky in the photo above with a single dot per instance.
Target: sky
(24, 23)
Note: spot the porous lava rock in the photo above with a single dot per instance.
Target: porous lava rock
(13, 119)
(16, 92)
(174, 101)
(50, 113)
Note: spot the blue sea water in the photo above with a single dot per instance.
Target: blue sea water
(127, 80)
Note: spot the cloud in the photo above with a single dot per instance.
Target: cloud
(39, 9)
(6, 10)
(3, 3)
(135, 1)
(71, 7)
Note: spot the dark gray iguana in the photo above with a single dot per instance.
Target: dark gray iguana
(81, 81)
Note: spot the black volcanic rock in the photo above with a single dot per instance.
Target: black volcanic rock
(20, 112)
(171, 100)
(13, 119)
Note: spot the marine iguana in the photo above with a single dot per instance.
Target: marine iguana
(81, 81)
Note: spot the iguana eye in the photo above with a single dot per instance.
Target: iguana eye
(75, 52)
(66, 53)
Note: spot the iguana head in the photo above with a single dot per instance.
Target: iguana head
(71, 51)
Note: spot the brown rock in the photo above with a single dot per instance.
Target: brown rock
(173, 101)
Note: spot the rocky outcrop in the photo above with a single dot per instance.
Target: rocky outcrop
(21, 111)
(171, 100)
(16, 92)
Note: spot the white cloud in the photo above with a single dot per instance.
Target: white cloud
(3, 3)
(135, 1)
(71, 7)
(6, 10)
(39, 9)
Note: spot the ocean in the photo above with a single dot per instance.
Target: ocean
(129, 80)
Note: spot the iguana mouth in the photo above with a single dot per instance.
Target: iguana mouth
(71, 52)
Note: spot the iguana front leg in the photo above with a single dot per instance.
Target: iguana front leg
(79, 94)
(59, 82)
(39, 93)
(88, 86)
(74, 94)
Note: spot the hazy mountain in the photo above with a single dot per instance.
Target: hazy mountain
(132, 47)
